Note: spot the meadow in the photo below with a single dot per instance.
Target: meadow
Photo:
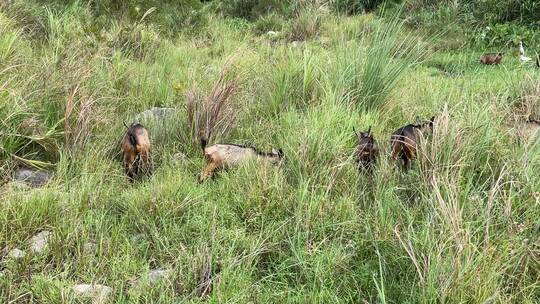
(461, 226)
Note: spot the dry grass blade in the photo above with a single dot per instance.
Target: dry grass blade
(206, 278)
(212, 116)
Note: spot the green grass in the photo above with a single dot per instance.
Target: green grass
(460, 227)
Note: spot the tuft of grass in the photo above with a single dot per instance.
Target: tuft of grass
(212, 116)
(306, 25)
(389, 54)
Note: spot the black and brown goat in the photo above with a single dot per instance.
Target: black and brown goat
(367, 150)
(224, 156)
(491, 59)
(405, 141)
(136, 150)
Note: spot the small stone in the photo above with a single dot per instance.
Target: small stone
(155, 113)
(40, 241)
(98, 293)
(138, 237)
(32, 177)
(16, 254)
(156, 275)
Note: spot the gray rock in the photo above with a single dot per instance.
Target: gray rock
(98, 293)
(156, 275)
(155, 114)
(39, 242)
(16, 254)
(138, 237)
(32, 177)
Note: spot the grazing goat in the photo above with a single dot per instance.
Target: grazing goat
(405, 140)
(493, 58)
(136, 150)
(224, 156)
(367, 150)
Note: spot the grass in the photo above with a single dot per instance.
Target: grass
(460, 227)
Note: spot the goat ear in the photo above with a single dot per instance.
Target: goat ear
(432, 120)
(369, 131)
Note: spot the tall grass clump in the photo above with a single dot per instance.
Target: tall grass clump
(306, 24)
(390, 52)
(213, 115)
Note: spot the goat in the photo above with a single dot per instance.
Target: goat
(405, 140)
(225, 156)
(136, 150)
(367, 150)
(491, 59)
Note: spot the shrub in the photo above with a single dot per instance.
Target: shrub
(250, 9)
(268, 23)
(351, 7)
(506, 34)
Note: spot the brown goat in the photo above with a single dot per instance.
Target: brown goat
(136, 150)
(224, 156)
(405, 140)
(367, 150)
(491, 59)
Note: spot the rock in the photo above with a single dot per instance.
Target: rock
(32, 177)
(16, 254)
(138, 237)
(39, 241)
(98, 293)
(155, 114)
(156, 275)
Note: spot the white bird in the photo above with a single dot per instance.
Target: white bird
(522, 56)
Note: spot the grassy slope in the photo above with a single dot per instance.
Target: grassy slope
(461, 227)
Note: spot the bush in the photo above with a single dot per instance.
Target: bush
(268, 23)
(250, 9)
(495, 11)
(506, 34)
(351, 7)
